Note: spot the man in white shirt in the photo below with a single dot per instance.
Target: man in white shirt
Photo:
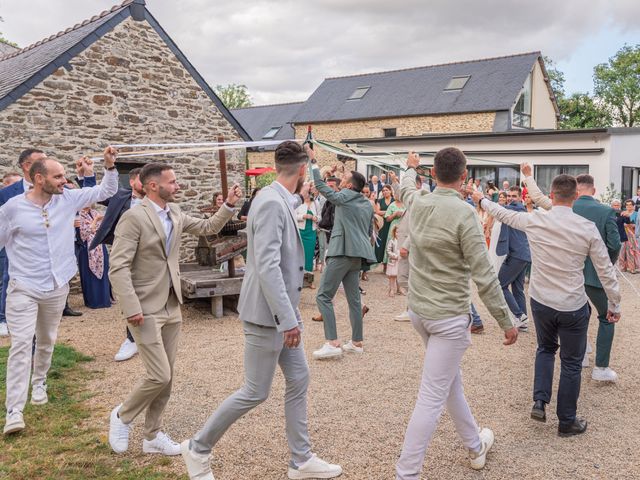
(41, 220)
(560, 241)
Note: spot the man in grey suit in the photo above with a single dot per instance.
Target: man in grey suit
(350, 247)
(272, 324)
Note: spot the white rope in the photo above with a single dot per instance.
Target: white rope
(627, 280)
(260, 143)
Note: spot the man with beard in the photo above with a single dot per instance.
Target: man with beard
(116, 206)
(272, 325)
(145, 278)
(41, 221)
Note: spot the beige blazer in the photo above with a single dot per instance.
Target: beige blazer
(141, 272)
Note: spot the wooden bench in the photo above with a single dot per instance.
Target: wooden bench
(205, 282)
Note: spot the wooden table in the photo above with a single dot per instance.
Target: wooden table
(205, 282)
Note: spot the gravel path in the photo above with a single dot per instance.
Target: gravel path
(359, 406)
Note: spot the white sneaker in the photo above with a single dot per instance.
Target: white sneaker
(585, 360)
(522, 322)
(118, 432)
(604, 374)
(478, 459)
(14, 422)
(327, 351)
(161, 444)
(403, 317)
(4, 331)
(39, 394)
(127, 350)
(315, 468)
(349, 347)
(197, 464)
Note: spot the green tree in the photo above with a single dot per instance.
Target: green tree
(234, 95)
(556, 77)
(4, 40)
(617, 83)
(580, 110)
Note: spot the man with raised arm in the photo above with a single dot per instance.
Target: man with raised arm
(447, 250)
(37, 232)
(560, 242)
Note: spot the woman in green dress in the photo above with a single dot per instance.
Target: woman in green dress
(392, 217)
(308, 217)
(380, 209)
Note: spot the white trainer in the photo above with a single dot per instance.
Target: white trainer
(161, 444)
(522, 322)
(585, 360)
(118, 432)
(478, 459)
(315, 468)
(403, 317)
(349, 347)
(197, 464)
(4, 331)
(14, 422)
(604, 374)
(39, 394)
(127, 350)
(327, 351)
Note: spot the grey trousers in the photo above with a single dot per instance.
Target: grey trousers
(345, 270)
(403, 273)
(263, 351)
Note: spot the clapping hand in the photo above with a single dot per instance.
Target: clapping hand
(235, 194)
(87, 165)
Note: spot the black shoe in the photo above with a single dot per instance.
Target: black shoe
(578, 426)
(68, 312)
(537, 412)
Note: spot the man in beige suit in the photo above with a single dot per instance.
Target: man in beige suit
(145, 278)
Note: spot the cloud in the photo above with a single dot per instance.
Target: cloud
(282, 50)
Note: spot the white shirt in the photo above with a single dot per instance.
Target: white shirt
(26, 185)
(40, 240)
(135, 201)
(167, 223)
(560, 242)
(293, 200)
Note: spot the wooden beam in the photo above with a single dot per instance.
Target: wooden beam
(223, 168)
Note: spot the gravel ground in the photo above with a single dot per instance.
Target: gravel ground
(359, 405)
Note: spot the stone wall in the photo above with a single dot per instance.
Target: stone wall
(419, 125)
(128, 87)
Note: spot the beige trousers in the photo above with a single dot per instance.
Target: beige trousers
(157, 340)
(30, 312)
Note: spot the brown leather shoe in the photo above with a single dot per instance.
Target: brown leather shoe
(477, 329)
(317, 318)
(365, 310)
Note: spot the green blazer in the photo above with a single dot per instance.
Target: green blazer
(605, 219)
(353, 222)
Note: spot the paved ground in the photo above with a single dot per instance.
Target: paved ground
(359, 405)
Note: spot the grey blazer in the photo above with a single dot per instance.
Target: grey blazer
(353, 222)
(275, 262)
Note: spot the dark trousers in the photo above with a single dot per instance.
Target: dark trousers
(571, 328)
(512, 273)
(605, 329)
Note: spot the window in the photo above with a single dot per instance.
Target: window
(273, 131)
(389, 132)
(545, 174)
(457, 83)
(358, 93)
(522, 109)
(123, 169)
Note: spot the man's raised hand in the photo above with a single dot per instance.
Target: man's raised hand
(110, 157)
(235, 194)
(413, 160)
(526, 169)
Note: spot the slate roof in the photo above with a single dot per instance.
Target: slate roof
(494, 85)
(6, 49)
(257, 121)
(23, 69)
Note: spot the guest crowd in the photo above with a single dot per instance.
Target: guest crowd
(425, 231)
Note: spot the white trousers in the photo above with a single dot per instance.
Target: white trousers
(30, 312)
(445, 342)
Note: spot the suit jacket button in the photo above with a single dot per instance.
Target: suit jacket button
(299, 289)
(275, 317)
(302, 269)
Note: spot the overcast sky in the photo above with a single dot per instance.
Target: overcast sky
(283, 49)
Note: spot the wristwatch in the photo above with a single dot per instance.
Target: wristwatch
(111, 168)
(230, 205)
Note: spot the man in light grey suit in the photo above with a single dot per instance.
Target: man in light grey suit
(272, 324)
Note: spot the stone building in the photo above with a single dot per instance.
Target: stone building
(486, 95)
(116, 78)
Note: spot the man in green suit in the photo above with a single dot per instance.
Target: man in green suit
(605, 219)
(349, 248)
